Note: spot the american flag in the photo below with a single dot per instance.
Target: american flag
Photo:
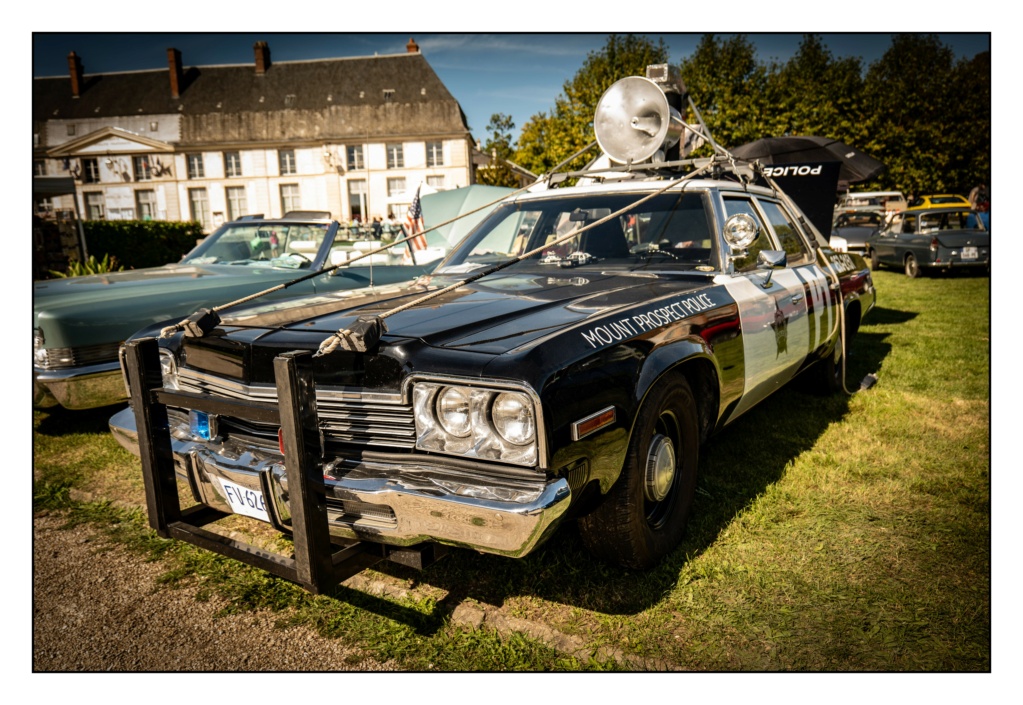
(414, 223)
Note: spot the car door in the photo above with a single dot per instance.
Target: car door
(774, 306)
(885, 243)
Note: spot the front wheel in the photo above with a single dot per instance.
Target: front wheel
(644, 514)
(875, 263)
(912, 268)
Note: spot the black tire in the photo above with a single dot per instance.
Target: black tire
(631, 527)
(912, 268)
(824, 378)
(875, 263)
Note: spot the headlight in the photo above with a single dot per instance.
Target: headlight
(169, 369)
(476, 422)
(512, 414)
(453, 411)
(39, 356)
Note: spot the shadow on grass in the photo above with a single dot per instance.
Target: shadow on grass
(58, 421)
(736, 466)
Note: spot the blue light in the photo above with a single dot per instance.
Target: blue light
(202, 425)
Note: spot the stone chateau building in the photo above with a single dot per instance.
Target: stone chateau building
(352, 136)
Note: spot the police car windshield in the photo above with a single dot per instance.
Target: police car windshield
(673, 227)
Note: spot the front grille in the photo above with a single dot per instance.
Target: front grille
(351, 417)
(64, 358)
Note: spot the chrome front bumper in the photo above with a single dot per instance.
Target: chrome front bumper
(397, 503)
(76, 388)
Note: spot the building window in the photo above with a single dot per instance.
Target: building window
(70, 130)
(200, 206)
(195, 166)
(90, 171)
(436, 182)
(395, 186)
(94, 206)
(355, 158)
(142, 170)
(38, 167)
(290, 200)
(395, 156)
(44, 205)
(434, 154)
(232, 164)
(154, 126)
(357, 199)
(388, 95)
(286, 161)
(236, 204)
(145, 205)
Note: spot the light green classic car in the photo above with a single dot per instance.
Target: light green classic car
(79, 323)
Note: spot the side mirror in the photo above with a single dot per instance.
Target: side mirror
(768, 261)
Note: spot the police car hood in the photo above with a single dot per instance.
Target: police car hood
(495, 314)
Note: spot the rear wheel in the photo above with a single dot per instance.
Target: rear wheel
(644, 514)
(824, 378)
(912, 268)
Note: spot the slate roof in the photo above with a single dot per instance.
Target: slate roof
(330, 97)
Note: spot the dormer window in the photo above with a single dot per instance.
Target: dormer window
(388, 95)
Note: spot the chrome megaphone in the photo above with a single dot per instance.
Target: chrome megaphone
(634, 122)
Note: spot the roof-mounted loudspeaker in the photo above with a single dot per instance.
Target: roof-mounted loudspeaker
(633, 121)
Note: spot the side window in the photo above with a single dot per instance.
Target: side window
(763, 241)
(786, 232)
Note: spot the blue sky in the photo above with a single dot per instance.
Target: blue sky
(516, 74)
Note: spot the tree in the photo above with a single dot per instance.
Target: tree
(549, 138)
(908, 101)
(499, 148)
(729, 88)
(815, 94)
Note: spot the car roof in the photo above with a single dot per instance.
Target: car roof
(872, 194)
(940, 207)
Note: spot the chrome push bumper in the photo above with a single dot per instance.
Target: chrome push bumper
(77, 388)
(399, 503)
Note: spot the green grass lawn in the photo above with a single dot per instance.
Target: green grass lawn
(850, 533)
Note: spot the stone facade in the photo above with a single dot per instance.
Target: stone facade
(352, 136)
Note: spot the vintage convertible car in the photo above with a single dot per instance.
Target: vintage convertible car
(565, 361)
(80, 322)
(936, 239)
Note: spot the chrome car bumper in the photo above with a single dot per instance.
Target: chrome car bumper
(385, 501)
(76, 388)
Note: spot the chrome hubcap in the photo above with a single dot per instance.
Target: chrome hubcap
(660, 468)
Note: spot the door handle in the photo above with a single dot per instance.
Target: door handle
(796, 298)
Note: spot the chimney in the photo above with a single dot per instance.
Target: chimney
(412, 47)
(174, 63)
(262, 57)
(75, 65)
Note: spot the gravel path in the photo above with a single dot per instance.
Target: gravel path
(97, 607)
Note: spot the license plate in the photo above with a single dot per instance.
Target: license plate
(969, 253)
(243, 500)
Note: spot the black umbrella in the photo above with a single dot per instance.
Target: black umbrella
(856, 166)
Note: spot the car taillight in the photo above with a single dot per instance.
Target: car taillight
(280, 439)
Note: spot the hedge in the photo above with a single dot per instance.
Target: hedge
(141, 243)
